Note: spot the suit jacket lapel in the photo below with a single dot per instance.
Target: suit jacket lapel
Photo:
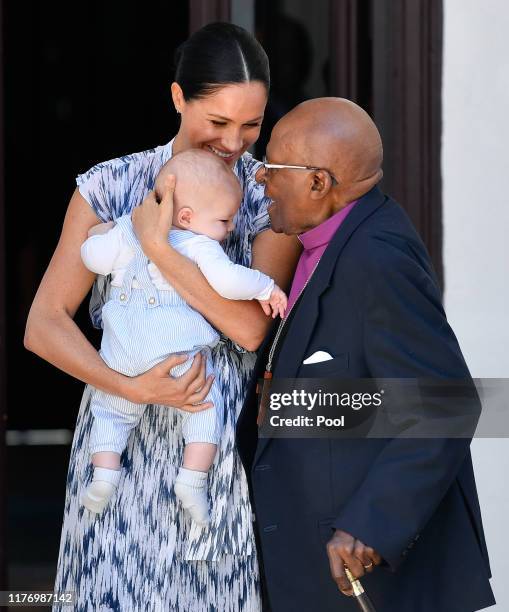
(305, 317)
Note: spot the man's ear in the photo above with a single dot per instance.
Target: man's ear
(185, 216)
(321, 184)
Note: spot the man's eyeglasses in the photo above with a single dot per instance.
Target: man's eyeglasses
(268, 166)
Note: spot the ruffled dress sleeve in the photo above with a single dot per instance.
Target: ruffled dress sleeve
(108, 187)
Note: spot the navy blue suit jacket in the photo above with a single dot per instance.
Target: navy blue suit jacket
(374, 304)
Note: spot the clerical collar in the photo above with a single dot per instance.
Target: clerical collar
(322, 234)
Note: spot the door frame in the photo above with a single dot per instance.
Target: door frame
(406, 101)
(202, 12)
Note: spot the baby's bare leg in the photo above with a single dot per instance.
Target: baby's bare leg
(199, 456)
(106, 459)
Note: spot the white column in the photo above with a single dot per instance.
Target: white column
(475, 167)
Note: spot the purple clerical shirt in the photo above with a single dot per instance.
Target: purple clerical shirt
(315, 241)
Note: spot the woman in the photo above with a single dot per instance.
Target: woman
(142, 552)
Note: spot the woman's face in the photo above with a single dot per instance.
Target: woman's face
(226, 122)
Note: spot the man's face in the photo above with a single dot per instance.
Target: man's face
(291, 210)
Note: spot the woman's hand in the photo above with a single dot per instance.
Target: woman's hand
(152, 220)
(157, 386)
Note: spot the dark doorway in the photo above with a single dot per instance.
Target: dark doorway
(84, 81)
(308, 44)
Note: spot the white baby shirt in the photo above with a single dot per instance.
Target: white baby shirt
(110, 253)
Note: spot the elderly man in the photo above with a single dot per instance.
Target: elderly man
(401, 513)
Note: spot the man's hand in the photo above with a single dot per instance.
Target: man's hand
(152, 220)
(343, 549)
(100, 228)
(276, 304)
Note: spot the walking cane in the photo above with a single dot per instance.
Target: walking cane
(359, 593)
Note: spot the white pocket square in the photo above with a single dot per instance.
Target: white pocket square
(317, 357)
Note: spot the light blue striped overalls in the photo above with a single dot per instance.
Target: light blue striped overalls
(141, 327)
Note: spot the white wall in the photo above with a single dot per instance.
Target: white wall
(475, 167)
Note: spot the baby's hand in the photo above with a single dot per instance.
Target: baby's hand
(276, 304)
(100, 228)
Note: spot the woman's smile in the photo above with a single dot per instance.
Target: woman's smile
(226, 155)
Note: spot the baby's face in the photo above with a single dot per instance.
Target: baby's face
(214, 217)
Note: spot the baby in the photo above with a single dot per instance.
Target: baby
(145, 320)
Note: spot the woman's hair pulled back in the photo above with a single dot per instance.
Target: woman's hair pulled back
(216, 55)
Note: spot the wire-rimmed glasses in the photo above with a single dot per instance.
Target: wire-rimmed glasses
(268, 166)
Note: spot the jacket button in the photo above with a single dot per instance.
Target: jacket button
(270, 528)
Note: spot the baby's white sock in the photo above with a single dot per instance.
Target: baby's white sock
(100, 490)
(191, 489)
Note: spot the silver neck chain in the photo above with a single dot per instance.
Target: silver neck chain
(282, 323)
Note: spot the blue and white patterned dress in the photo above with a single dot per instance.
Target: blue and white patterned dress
(143, 553)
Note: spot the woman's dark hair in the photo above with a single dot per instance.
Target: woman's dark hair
(216, 55)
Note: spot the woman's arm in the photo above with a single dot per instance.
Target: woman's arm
(243, 321)
(52, 334)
